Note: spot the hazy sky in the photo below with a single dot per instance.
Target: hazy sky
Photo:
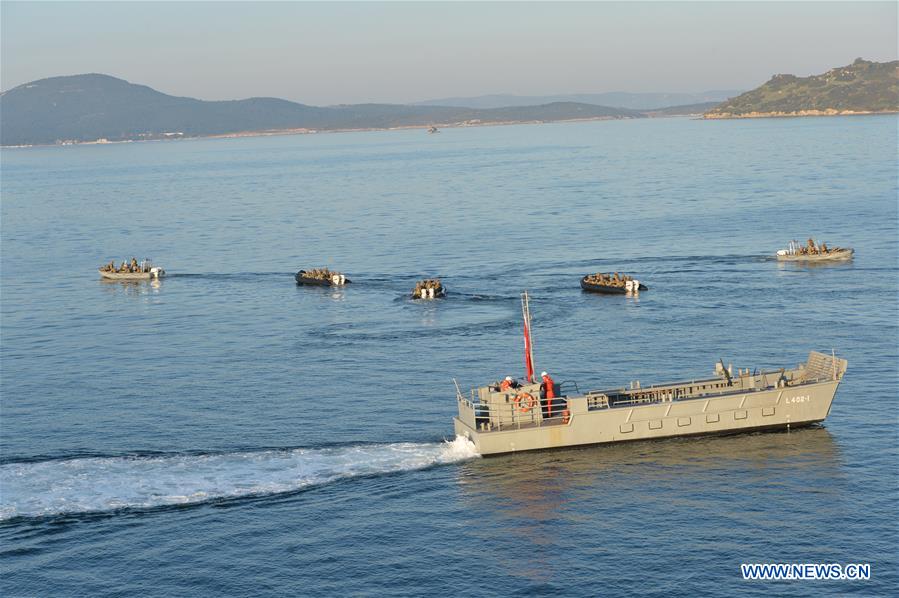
(328, 53)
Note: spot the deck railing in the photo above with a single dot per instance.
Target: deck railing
(496, 416)
(697, 390)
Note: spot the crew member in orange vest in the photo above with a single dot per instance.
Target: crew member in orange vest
(548, 390)
(508, 384)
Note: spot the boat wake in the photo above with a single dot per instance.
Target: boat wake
(98, 484)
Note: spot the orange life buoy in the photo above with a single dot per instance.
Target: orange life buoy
(566, 416)
(524, 402)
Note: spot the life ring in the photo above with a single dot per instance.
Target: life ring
(566, 416)
(524, 402)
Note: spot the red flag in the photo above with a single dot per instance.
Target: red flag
(528, 366)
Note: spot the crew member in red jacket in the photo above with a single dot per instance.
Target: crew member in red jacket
(548, 390)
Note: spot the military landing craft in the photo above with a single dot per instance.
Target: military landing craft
(522, 419)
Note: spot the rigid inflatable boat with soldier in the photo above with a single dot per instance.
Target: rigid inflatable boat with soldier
(322, 277)
(429, 288)
(133, 270)
(813, 252)
(611, 284)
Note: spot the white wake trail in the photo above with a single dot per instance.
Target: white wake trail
(110, 483)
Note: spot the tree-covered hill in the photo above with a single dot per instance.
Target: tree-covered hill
(860, 87)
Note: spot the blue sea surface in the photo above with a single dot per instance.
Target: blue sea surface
(225, 432)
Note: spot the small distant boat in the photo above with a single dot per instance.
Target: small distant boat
(813, 252)
(609, 285)
(432, 129)
(321, 277)
(430, 288)
(143, 270)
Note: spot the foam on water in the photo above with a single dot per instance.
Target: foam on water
(110, 483)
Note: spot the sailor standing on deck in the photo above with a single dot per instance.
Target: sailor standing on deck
(547, 392)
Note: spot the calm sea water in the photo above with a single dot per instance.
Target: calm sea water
(226, 432)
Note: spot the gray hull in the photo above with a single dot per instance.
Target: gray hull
(770, 400)
(130, 275)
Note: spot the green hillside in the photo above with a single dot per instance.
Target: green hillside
(860, 87)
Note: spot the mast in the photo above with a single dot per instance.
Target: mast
(528, 342)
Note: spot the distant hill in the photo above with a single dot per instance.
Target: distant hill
(861, 87)
(91, 107)
(88, 107)
(616, 99)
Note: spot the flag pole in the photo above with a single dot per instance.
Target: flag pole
(530, 333)
(528, 340)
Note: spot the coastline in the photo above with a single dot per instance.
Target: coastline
(794, 114)
(461, 125)
(457, 125)
(305, 131)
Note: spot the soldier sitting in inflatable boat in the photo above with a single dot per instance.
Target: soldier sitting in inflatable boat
(131, 267)
(322, 277)
(812, 248)
(429, 288)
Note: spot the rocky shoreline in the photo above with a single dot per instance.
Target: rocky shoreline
(796, 113)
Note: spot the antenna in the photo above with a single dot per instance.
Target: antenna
(458, 390)
(730, 381)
